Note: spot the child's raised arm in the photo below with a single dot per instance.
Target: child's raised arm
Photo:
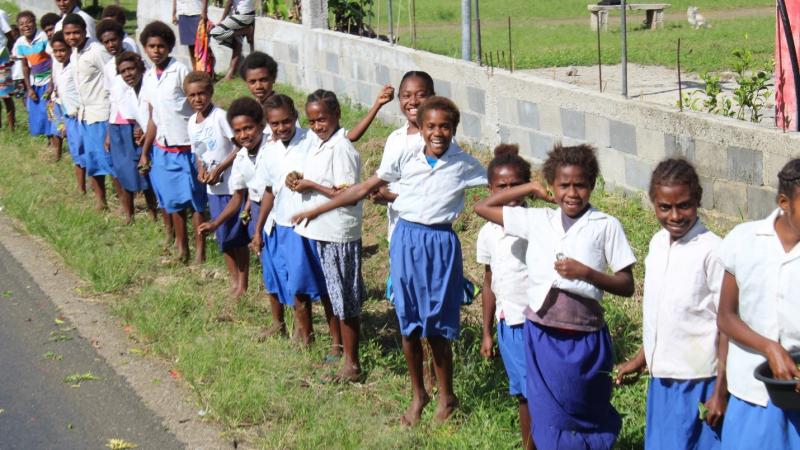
(385, 96)
(349, 196)
(491, 208)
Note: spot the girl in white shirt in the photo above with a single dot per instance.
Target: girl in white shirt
(682, 347)
(569, 252)
(426, 261)
(68, 98)
(331, 166)
(759, 311)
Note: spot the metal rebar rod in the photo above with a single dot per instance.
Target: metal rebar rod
(478, 41)
(599, 55)
(414, 24)
(624, 49)
(391, 25)
(680, 82)
(510, 55)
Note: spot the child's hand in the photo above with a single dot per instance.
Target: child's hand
(715, 407)
(212, 177)
(256, 244)
(302, 186)
(382, 195)
(107, 143)
(385, 96)
(539, 191)
(627, 368)
(291, 179)
(202, 175)
(32, 94)
(782, 365)
(306, 216)
(487, 347)
(138, 135)
(571, 269)
(206, 227)
(174, 19)
(144, 165)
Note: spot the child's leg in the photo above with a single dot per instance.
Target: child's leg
(152, 203)
(443, 363)
(126, 201)
(11, 113)
(525, 424)
(278, 320)
(235, 57)
(230, 258)
(427, 365)
(199, 239)
(302, 320)
(243, 266)
(99, 187)
(333, 326)
(351, 328)
(412, 350)
(181, 240)
(169, 228)
(80, 177)
(57, 147)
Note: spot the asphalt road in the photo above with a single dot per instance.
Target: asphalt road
(38, 409)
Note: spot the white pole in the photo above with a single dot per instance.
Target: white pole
(466, 30)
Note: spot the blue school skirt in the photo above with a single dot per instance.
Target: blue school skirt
(57, 122)
(75, 141)
(511, 342)
(292, 262)
(748, 426)
(673, 421)
(427, 277)
(125, 158)
(38, 122)
(569, 388)
(98, 160)
(230, 234)
(174, 180)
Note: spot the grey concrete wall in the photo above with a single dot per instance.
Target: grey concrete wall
(39, 7)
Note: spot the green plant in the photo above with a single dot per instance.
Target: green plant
(752, 93)
(275, 9)
(349, 16)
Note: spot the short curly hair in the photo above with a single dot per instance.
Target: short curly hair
(789, 179)
(74, 19)
(582, 156)
(246, 106)
(507, 155)
(109, 25)
(259, 60)
(115, 12)
(29, 14)
(676, 172)
(128, 56)
(327, 98)
(158, 29)
(279, 101)
(48, 20)
(198, 76)
(438, 103)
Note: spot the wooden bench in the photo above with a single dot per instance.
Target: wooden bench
(654, 11)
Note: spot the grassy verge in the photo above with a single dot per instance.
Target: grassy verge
(271, 392)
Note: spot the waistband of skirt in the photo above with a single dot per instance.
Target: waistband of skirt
(435, 226)
(174, 148)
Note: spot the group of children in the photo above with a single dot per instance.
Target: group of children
(713, 309)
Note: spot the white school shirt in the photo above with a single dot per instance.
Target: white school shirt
(188, 7)
(242, 6)
(171, 110)
(211, 143)
(681, 296)
(333, 163)
(68, 95)
(432, 195)
(769, 299)
(505, 255)
(245, 168)
(129, 44)
(86, 18)
(280, 160)
(89, 76)
(596, 240)
(398, 142)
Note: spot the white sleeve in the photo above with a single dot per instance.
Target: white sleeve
(346, 165)
(474, 173)
(224, 126)
(715, 271)
(482, 246)
(728, 250)
(5, 26)
(237, 181)
(517, 221)
(619, 254)
(391, 166)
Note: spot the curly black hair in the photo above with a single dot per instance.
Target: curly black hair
(676, 172)
(582, 156)
(28, 14)
(109, 25)
(159, 29)
(439, 103)
(424, 76)
(789, 179)
(58, 36)
(128, 56)
(279, 101)
(115, 12)
(327, 98)
(507, 155)
(259, 60)
(74, 19)
(198, 76)
(49, 19)
(246, 106)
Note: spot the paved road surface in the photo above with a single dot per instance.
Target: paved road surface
(38, 410)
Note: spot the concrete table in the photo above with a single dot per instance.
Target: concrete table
(654, 14)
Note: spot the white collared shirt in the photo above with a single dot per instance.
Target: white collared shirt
(244, 170)
(88, 71)
(506, 257)
(432, 195)
(211, 143)
(242, 6)
(171, 110)
(129, 44)
(280, 160)
(188, 7)
(681, 295)
(86, 18)
(769, 299)
(596, 240)
(333, 163)
(67, 91)
(398, 142)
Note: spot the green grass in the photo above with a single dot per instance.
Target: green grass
(271, 393)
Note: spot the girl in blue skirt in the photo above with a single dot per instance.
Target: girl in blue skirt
(66, 94)
(568, 346)
(682, 347)
(425, 253)
(173, 173)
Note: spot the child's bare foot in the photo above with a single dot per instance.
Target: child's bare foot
(100, 206)
(127, 219)
(445, 408)
(350, 374)
(278, 329)
(414, 413)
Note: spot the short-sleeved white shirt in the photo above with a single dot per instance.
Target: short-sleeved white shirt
(188, 7)
(242, 6)
(5, 23)
(129, 44)
(281, 160)
(398, 142)
(211, 143)
(244, 170)
(505, 255)
(88, 71)
(681, 295)
(596, 240)
(67, 91)
(432, 195)
(90, 24)
(171, 110)
(333, 163)
(769, 299)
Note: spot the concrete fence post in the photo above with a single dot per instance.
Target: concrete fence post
(315, 13)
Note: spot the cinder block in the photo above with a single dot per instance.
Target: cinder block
(573, 124)
(622, 136)
(709, 159)
(540, 144)
(550, 119)
(528, 114)
(760, 202)
(476, 99)
(597, 128)
(366, 93)
(332, 62)
(730, 198)
(679, 146)
(745, 165)
(507, 111)
(505, 134)
(637, 173)
(650, 145)
(339, 85)
(772, 165)
(382, 76)
(357, 69)
(470, 125)
(443, 88)
(294, 54)
(514, 135)
(612, 165)
(708, 192)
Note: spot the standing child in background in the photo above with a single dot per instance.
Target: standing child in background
(66, 93)
(682, 347)
(48, 23)
(213, 150)
(238, 19)
(117, 13)
(88, 61)
(758, 311)
(290, 262)
(31, 48)
(186, 14)
(173, 173)
(66, 7)
(332, 165)
(568, 346)
(6, 69)
(425, 253)
(54, 112)
(505, 272)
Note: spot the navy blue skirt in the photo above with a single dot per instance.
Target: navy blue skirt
(174, 179)
(98, 160)
(230, 234)
(569, 388)
(293, 264)
(427, 278)
(672, 416)
(125, 158)
(38, 122)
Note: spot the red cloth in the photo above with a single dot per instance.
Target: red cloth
(785, 96)
(203, 55)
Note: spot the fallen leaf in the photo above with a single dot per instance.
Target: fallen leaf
(136, 351)
(95, 343)
(59, 320)
(70, 426)
(174, 374)
(52, 356)
(119, 444)
(127, 328)
(77, 378)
